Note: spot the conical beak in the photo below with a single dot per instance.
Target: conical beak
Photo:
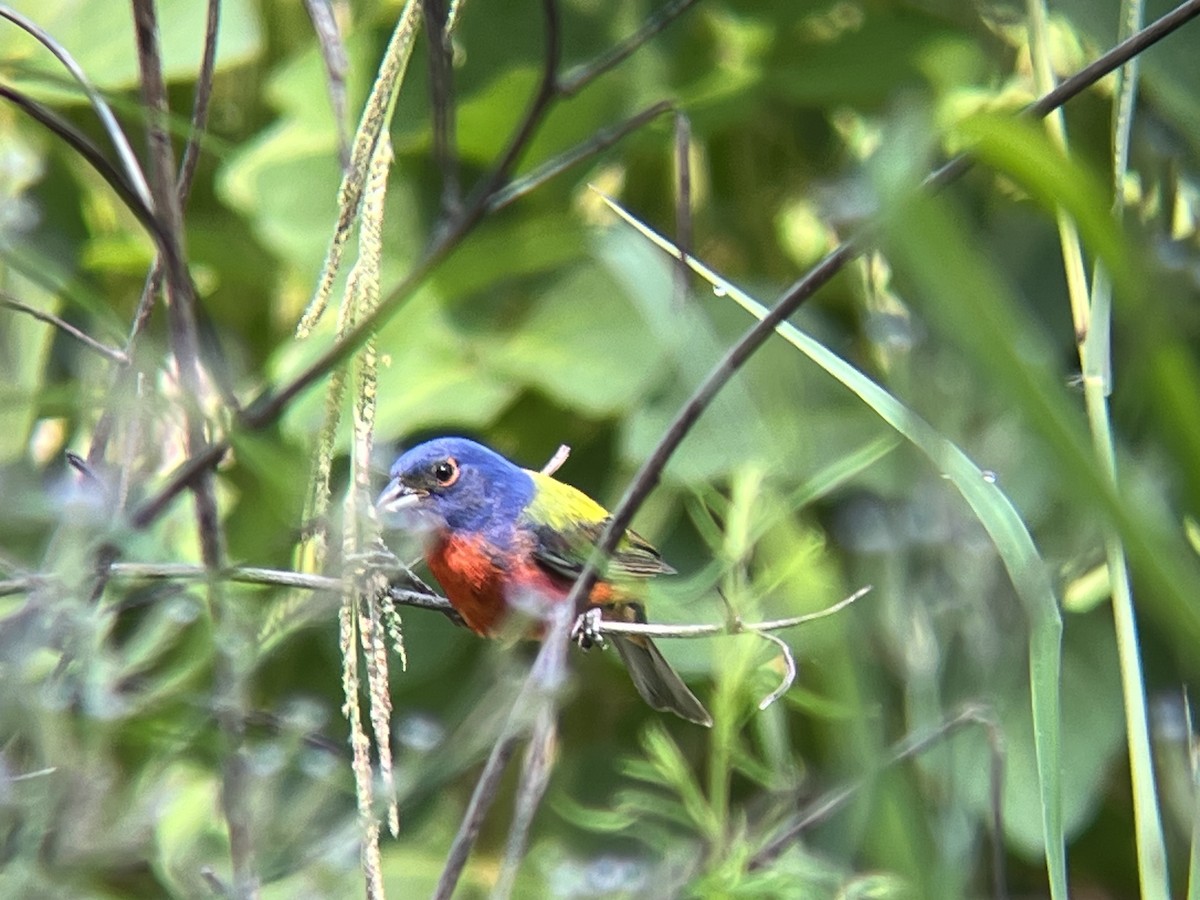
(398, 496)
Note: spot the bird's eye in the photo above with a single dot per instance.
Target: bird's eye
(446, 472)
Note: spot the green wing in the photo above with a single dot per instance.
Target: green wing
(567, 524)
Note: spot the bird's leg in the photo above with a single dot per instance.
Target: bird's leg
(586, 630)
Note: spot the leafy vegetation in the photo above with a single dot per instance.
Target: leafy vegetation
(182, 716)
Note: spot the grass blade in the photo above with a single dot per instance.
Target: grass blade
(1091, 313)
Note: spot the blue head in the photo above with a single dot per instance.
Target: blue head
(456, 484)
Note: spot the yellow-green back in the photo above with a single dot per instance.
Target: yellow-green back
(569, 523)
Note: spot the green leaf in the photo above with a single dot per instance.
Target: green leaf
(101, 39)
(427, 376)
(584, 346)
(189, 834)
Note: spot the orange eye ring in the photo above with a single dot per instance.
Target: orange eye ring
(446, 472)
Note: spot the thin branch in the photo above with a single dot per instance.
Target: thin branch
(181, 322)
(593, 146)
(200, 104)
(545, 95)
(1070, 88)
(536, 694)
(648, 475)
(583, 75)
(546, 679)
(683, 204)
(737, 355)
(734, 626)
(190, 471)
(181, 298)
(441, 96)
(183, 187)
(333, 53)
(112, 353)
(420, 596)
(468, 829)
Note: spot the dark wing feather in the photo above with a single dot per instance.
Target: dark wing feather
(566, 551)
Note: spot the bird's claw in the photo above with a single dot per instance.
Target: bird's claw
(586, 630)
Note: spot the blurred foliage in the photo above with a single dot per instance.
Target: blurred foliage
(553, 324)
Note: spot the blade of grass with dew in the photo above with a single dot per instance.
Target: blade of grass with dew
(1091, 315)
(1003, 524)
(965, 295)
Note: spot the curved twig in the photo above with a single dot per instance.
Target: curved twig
(789, 674)
(129, 160)
(91, 154)
(333, 54)
(117, 356)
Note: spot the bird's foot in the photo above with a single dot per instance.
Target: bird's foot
(586, 630)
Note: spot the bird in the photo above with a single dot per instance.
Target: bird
(499, 535)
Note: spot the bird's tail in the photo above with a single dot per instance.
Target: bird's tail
(659, 684)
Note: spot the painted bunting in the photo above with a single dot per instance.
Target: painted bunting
(501, 535)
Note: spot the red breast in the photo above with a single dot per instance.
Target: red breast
(479, 580)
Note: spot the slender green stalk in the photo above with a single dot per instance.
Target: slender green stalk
(1193, 891)
(1091, 315)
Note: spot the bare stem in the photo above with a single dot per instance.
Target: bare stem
(181, 320)
(911, 746)
(477, 809)
(441, 93)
